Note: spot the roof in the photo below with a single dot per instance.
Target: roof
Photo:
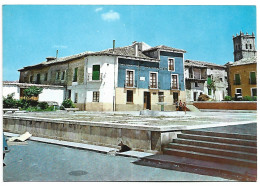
(244, 61)
(165, 48)
(200, 64)
(124, 52)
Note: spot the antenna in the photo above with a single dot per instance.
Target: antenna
(57, 54)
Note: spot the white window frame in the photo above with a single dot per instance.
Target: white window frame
(177, 81)
(237, 89)
(252, 91)
(133, 75)
(156, 79)
(173, 64)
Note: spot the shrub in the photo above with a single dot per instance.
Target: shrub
(203, 97)
(247, 98)
(22, 103)
(9, 101)
(254, 98)
(43, 105)
(67, 103)
(32, 92)
(228, 98)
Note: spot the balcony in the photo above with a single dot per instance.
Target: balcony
(195, 78)
(174, 87)
(154, 85)
(94, 78)
(130, 84)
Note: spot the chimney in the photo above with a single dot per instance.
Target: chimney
(57, 54)
(135, 45)
(114, 44)
(50, 58)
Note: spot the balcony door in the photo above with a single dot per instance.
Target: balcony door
(129, 78)
(96, 72)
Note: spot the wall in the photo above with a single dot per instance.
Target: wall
(227, 105)
(138, 138)
(9, 89)
(244, 71)
(49, 94)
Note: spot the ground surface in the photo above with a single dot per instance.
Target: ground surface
(45, 162)
(157, 119)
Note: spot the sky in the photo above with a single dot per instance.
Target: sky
(33, 32)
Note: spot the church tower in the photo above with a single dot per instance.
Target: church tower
(244, 46)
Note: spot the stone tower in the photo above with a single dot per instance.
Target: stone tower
(244, 46)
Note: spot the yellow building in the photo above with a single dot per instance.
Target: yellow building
(242, 77)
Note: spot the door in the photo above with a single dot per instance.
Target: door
(194, 96)
(175, 97)
(147, 100)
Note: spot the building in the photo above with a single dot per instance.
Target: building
(50, 93)
(243, 71)
(205, 78)
(243, 76)
(133, 77)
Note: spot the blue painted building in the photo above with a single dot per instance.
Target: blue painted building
(155, 82)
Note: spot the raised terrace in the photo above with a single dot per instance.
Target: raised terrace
(145, 130)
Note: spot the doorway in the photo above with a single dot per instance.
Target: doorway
(147, 100)
(195, 96)
(175, 97)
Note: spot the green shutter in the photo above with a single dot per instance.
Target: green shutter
(237, 79)
(96, 72)
(75, 77)
(252, 77)
(209, 80)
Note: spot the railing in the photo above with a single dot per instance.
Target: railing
(252, 81)
(154, 85)
(95, 78)
(193, 77)
(130, 84)
(174, 87)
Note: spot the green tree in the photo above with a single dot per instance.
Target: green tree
(32, 92)
(9, 101)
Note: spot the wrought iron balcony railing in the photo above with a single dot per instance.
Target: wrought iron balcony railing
(130, 84)
(94, 77)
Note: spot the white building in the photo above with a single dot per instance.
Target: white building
(198, 77)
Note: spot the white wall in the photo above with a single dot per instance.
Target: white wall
(9, 89)
(49, 94)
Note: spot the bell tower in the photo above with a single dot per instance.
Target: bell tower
(244, 46)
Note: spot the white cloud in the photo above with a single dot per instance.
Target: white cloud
(110, 16)
(59, 46)
(98, 9)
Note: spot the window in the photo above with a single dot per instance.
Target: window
(76, 98)
(250, 46)
(161, 97)
(171, 64)
(96, 72)
(96, 96)
(129, 78)
(254, 92)
(57, 75)
(239, 90)
(221, 79)
(196, 84)
(246, 46)
(209, 80)
(46, 77)
(237, 79)
(31, 79)
(63, 75)
(252, 78)
(174, 81)
(75, 75)
(153, 80)
(129, 96)
(38, 79)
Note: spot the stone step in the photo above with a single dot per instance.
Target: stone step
(212, 158)
(215, 145)
(199, 167)
(219, 134)
(243, 142)
(206, 150)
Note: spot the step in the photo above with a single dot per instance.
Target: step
(219, 134)
(211, 157)
(206, 150)
(251, 143)
(215, 145)
(199, 167)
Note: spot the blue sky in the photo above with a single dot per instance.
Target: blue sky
(31, 33)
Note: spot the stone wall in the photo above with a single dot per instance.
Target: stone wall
(227, 105)
(138, 138)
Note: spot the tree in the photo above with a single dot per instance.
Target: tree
(212, 86)
(32, 92)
